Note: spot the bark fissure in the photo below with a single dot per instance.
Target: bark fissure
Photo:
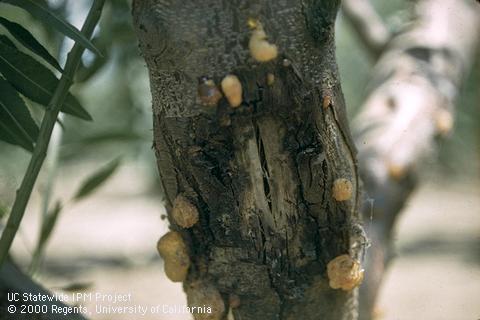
(260, 174)
(265, 171)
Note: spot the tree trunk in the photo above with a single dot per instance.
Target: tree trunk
(266, 176)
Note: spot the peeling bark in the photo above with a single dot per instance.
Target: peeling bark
(411, 105)
(261, 175)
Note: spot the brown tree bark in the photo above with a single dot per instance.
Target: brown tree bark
(261, 175)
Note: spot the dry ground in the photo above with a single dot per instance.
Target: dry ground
(109, 241)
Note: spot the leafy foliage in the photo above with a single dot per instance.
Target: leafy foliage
(16, 124)
(48, 223)
(3, 210)
(48, 17)
(38, 83)
(28, 40)
(5, 40)
(96, 179)
(125, 119)
(34, 80)
(29, 77)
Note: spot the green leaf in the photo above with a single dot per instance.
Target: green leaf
(34, 80)
(16, 125)
(28, 40)
(5, 40)
(48, 223)
(48, 17)
(116, 135)
(76, 286)
(3, 210)
(96, 179)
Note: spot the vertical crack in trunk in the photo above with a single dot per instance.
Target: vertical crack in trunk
(266, 173)
(261, 175)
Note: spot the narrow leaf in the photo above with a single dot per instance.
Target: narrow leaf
(34, 80)
(96, 179)
(48, 17)
(3, 210)
(111, 136)
(76, 286)
(5, 40)
(16, 124)
(28, 40)
(48, 223)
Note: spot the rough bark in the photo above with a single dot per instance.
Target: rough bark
(260, 175)
(411, 105)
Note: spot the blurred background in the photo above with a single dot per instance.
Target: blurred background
(105, 242)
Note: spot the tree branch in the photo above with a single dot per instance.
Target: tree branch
(367, 24)
(416, 82)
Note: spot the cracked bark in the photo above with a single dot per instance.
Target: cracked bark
(261, 175)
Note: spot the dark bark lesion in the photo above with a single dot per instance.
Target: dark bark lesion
(260, 175)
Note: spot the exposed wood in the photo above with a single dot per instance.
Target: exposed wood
(261, 174)
(410, 106)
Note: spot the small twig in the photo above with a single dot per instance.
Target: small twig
(367, 24)
(48, 122)
(51, 166)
